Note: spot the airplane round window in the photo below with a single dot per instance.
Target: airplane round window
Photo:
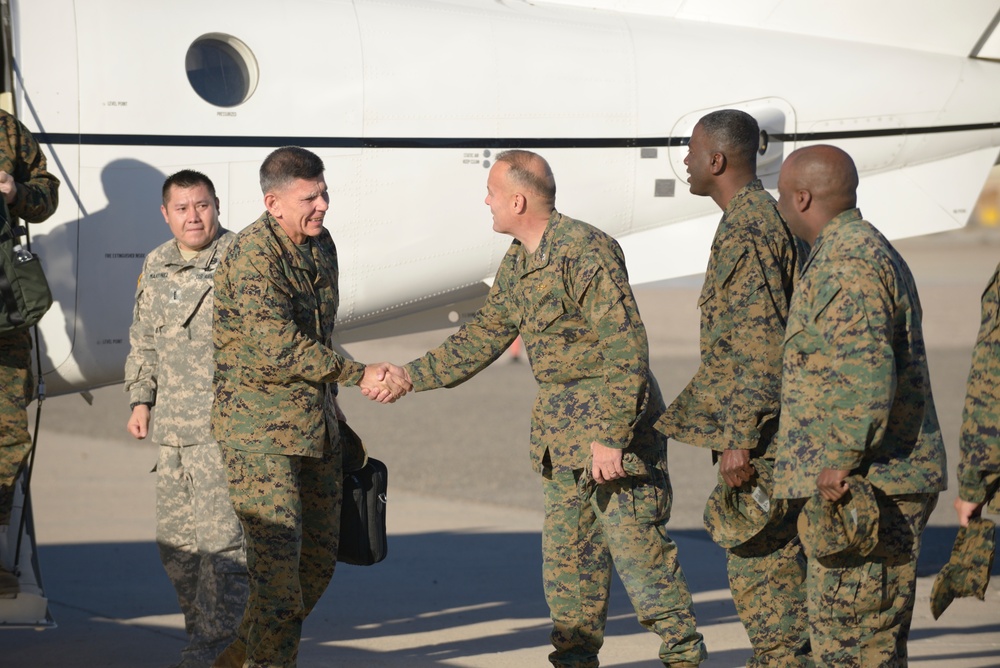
(221, 69)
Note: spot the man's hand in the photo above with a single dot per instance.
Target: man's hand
(138, 424)
(735, 467)
(831, 484)
(607, 463)
(967, 510)
(8, 187)
(385, 382)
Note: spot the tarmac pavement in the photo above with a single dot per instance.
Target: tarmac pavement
(461, 585)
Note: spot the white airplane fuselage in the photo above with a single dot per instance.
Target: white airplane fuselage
(408, 103)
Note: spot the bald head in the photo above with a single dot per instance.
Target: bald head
(816, 184)
(531, 172)
(521, 194)
(828, 173)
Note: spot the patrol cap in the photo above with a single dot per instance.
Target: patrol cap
(352, 449)
(735, 515)
(849, 525)
(967, 572)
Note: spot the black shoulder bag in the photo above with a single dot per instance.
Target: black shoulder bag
(24, 292)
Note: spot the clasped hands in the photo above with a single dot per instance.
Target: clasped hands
(385, 382)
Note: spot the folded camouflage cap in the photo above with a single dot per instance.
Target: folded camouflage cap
(847, 526)
(968, 570)
(735, 515)
(353, 450)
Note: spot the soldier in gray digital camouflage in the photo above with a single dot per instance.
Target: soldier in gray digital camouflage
(563, 287)
(170, 367)
(731, 404)
(275, 412)
(979, 464)
(31, 194)
(855, 400)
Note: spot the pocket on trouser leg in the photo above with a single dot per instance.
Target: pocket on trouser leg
(651, 497)
(845, 610)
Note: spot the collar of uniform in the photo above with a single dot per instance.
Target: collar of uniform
(205, 259)
(291, 252)
(830, 230)
(739, 200)
(540, 258)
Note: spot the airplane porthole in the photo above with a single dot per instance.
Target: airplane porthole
(221, 69)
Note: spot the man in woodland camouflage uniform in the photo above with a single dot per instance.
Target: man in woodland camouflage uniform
(31, 194)
(731, 404)
(855, 401)
(563, 287)
(170, 366)
(979, 467)
(275, 412)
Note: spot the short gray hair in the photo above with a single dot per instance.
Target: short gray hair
(287, 164)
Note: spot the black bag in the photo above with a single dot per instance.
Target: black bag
(24, 292)
(363, 540)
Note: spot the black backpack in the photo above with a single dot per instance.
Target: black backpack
(24, 292)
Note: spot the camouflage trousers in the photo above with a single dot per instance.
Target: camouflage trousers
(16, 391)
(767, 577)
(201, 546)
(860, 608)
(589, 527)
(289, 507)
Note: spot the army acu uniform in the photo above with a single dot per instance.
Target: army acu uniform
(274, 415)
(170, 366)
(856, 396)
(572, 305)
(36, 200)
(732, 403)
(979, 466)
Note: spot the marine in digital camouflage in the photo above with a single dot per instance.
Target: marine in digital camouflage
(36, 199)
(274, 316)
(979, 445)
(967, 572)
(733, 401)
(290, 510)
(170, 366)
(571, 303)
(856, 392)
(860, 608)
(275, 416)
(20, 156)
(856, 397)
(16, 391)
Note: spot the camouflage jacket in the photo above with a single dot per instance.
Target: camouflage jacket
(37, 190)
(979, 466)
(856, 392)
(732, 402)
(571, 303)
(274, 319)
(170, 362)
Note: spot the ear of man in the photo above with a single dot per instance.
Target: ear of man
(271, 203)
(520, 203)
(803, 200)
(718, 163)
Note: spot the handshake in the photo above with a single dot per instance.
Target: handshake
(385, 382)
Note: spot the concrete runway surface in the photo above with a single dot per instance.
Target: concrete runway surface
(461, 586)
